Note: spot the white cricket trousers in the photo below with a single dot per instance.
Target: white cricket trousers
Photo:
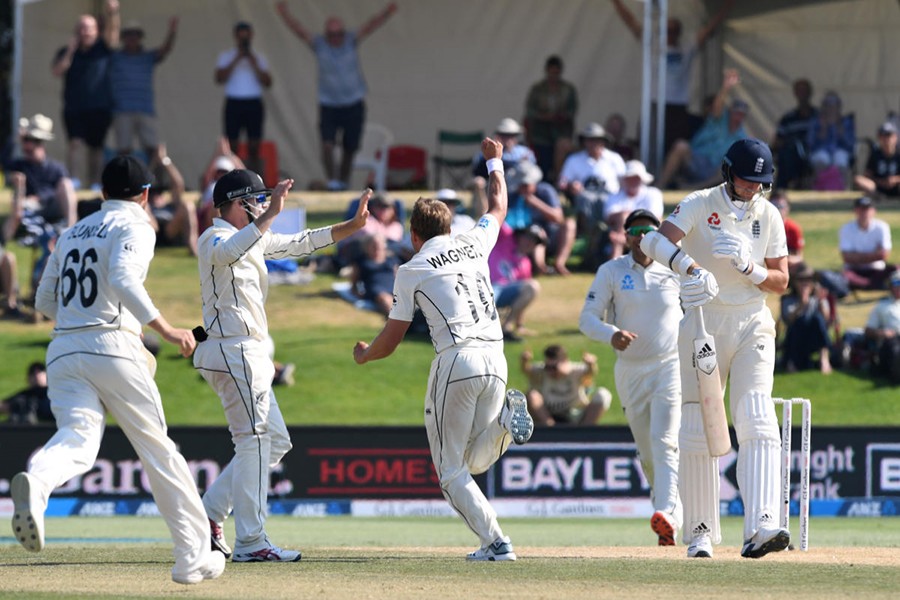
(650, 392)
(466, 390)
(240, 371)
(90, 374)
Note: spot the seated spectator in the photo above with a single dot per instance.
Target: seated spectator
(514, 287)
(43, 195)
(373, 275)
(550, 117)
(590, 176)
(174, 219)
(865, 244)
(635, 192)
(461, 222)
(789, 145)
(792, 230)
(223, 160)
(882, 173)
(883, 330)
(131, 68)
(30, 406)
(698, 163)
(831, 140)
(805, 314)
(618, 142)
(558, 389)
(508, 133)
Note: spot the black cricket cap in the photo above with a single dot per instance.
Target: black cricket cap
(238, 184)
(125, 177)
(641, 213)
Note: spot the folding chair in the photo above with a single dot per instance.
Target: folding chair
(407, 168)
(458, 166)
(373, 154)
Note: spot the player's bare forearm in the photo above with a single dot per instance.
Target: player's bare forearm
(776, 280)
(384, 343)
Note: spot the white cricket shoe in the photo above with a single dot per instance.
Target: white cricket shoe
(28, 512)
(217, 539)
(514, 417)
(700, 547)
(766, 540)
(499, 550)
(270, 553)
(215, 566)
(664, 527)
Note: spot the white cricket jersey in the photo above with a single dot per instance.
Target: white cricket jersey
(449, 280)
(94, 279)
(233, 277)
(626, 296)
(704, 214)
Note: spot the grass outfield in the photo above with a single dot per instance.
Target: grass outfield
(351, 558)
(317, 331)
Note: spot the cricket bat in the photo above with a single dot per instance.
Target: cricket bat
(712, 401)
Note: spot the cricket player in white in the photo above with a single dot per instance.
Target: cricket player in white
(633, 306)
(469, 424)
(733, 251)
(93, 286)
(234, 358)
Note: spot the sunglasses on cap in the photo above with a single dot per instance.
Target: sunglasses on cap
(637, 230)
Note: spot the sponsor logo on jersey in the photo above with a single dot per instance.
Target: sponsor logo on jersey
(756, 228)
(627, 282)
(216, 240)
(714, 219)
(677, 209)
(591, 296)
(484, 222)
(454, 255)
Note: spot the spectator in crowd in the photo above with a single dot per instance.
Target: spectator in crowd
(42, 189)
(633, 306)
(9, 286)
(384, 219)
(222, 161)
(373, 275)
(508, 132)
(635, 192)
(550, 117)
(461, 222)
(87, 100)
(865, 245)
(30, 406)
(792, 230)
(881, 176)
(679, 60)
(619, 143)
(174, 218)
(588, 178)
(791, 137)
(831, 139)
(245, 74)
(699, 161)
(342, 87)
(131, 70)
(510, 266)
(558, 389)
(883, 329)
(805, 314)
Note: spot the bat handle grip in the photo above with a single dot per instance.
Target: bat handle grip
(700, 323)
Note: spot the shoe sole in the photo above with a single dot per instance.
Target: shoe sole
(778, 543)
(263, 560)
(24, 526)
(701, 554)
(522, 425)
(662, 528)
(508, 557)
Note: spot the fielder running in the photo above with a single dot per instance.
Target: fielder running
(93, 286)
(234, 358)
(469, 424)
(733, 251)
(633, 306)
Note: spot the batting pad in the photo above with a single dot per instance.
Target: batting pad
(698, 478)
(759, 479)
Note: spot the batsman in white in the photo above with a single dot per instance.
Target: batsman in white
(234, 357)
(469, 417)
(733, 251)
(633, 306)
(93, 286)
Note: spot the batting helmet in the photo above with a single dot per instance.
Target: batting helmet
(237, 185)
(751, 160)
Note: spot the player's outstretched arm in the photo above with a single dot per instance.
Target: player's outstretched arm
(384, 343)
(496, 196)
(340, 231)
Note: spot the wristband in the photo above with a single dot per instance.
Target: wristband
(758, 274)
(494, 164)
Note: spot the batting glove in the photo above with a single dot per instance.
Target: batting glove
(734, 248)
(698, 289)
